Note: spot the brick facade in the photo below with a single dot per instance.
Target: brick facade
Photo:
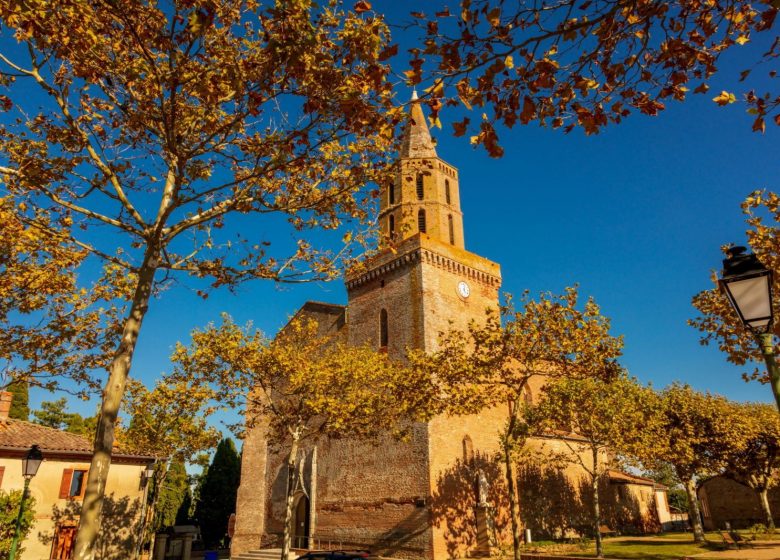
(726, 501)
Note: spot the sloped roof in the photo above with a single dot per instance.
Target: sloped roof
(416, 141)
(624, 477)
(19, 436)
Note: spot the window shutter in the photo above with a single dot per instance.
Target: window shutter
(84, 483)
(67, 476)
(2, 472)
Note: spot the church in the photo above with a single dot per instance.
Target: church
(441, 494)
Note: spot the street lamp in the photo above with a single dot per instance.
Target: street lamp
(146, 479)
(748, 285)
(30, 465)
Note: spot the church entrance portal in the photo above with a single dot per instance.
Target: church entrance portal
(301, 533)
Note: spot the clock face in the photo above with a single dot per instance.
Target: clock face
(463, 289)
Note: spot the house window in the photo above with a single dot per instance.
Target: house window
(447, 190)
(73, 484)
(391, 194)
(391, 226)
(421, 227)
(420, 191)
(383, 337)
(452, 229)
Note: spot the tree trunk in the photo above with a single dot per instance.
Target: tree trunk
(514, 506)
(596, 509)
(89, 522)
(770, 521)
(693, 511)
(313, 499)
(291, 470)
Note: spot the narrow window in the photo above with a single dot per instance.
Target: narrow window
(468, 450)
(391, 193)
(447, 190)
(420, 191)
(452, 230)
(391, 226)
(421, 221)
(383, 329)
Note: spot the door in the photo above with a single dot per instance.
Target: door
(301, 533)
(64, 542)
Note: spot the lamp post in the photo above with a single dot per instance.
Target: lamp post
(748, 285)
(30, 465)
(146, 478)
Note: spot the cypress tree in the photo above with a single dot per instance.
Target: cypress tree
(171, 495)
(217, 497)
(183, 516)
(20, 405)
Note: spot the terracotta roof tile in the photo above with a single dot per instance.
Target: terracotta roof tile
(20, 435)
(619, 476)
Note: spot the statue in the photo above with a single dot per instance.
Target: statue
(483, 489)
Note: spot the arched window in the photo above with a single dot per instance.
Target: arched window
(468, 450)
(452, 229)
(447, 190)
(420, 191)
(391, 226)
(391, 194)
(421, 226)
(383, 329)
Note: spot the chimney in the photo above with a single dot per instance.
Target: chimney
(5, 404)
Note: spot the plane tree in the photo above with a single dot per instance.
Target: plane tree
(695, 433)
(301, 386)
(494, 362)
(164, 133)
(597, 418)
(756, 461)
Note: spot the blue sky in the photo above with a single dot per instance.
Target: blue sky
(635, 215)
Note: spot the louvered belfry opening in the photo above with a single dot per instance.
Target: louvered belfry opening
(421, 225)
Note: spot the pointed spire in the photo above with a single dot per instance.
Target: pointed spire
(417, 142)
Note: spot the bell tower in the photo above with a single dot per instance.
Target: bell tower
(424, 195)
(423, 280)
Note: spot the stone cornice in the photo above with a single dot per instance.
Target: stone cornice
(428, 256)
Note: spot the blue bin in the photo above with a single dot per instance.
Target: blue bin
(210, 555)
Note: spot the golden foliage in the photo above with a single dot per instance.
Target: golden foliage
(585, 64)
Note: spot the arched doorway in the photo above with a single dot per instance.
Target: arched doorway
(301, 527)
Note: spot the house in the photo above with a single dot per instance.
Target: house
(58, 488)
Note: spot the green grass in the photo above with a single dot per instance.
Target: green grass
(663, 547)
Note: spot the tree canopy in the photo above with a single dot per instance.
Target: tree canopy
(492, 363)
(695, 433)
(301, 386)
(615, 422)
(756, 460)
(584, 63)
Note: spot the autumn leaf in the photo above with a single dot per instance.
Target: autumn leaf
(460, 127)
(388, 52)
(361, 7)
(724, 98)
